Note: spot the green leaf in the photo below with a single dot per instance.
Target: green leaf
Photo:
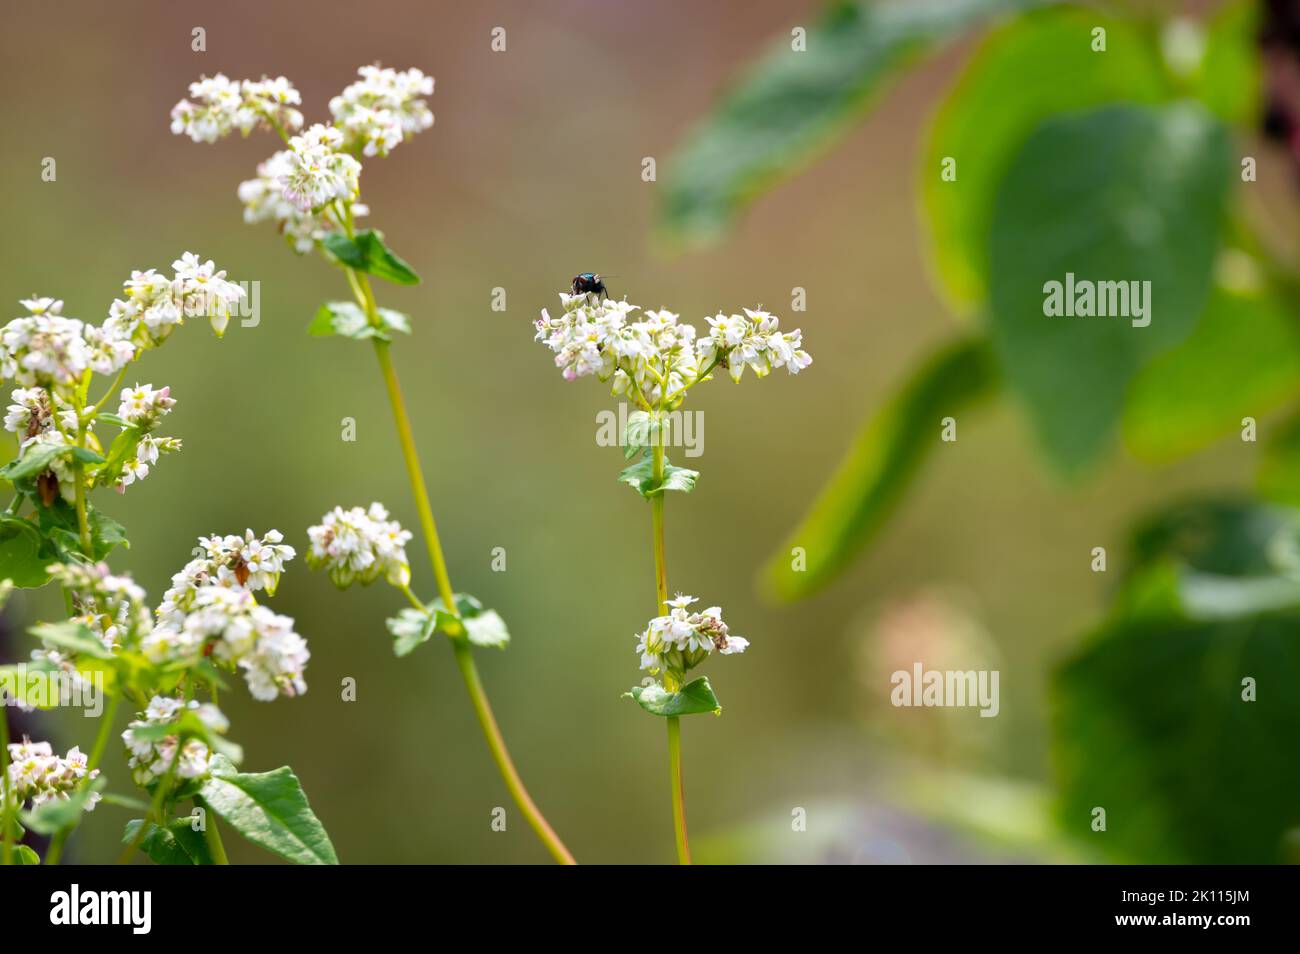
(105, 533)
(366, 252)
(21, 559)
(1036, 67)
(693, 698)
(38, 458)
(483, 627)
(640, 477)
(1242, 360)
(1279, 468)
(1229, 81)
(346, 318)
(119, 453)
(1120, 194)
(177, 844)
(1149, 716)
(60, 813)
(792, 105)
(24, 855)
(885, 456)
(639, 434)
(71, 637)
(270, 810)
(411, 628)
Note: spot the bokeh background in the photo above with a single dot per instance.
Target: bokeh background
(532, 173)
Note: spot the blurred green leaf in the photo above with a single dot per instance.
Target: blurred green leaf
(24, 855)
(1149, 717)
(483, 627)
(270, 810)
(69, 636)
(1242, 359)
(1036, 67)
(793, 104)
(366, 252)
(1229, 81)
(1118, 194)
(1279, 468)
(177, 844)
(346, 319)
(20, 553)
(38, 457)
(692, 699)
(869, 483)
(60, 813)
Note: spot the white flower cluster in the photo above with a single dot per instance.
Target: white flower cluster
(359, 545)
(154, 304)
(143, 406)
(222, 105)
(382, 108)
(151, 758)
(210, 608)
(264, 200)
(643, 357)
(36, 773)
(682, 640)
(112, 606)
(316, 172)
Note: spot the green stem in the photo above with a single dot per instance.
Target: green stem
(7, 841)
(460, 646)
(670, 682)
(212, 836)
(92, 762)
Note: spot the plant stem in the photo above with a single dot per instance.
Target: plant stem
(670, 682)
(465, 659)
(92, 762)
(213, 837)
(460, 646)
(7, 841)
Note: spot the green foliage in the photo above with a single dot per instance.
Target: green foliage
(366, 252)
(884, 457)
(641, 477)
(24, 855)
(347, 319)
(270, 810)
(1036, 67)
(793, 104)
(177, 844)
(1149, 717)
(1242, 359)
(693, 698)
(39, 457)
(482, 627)
(21, 558)
(1229, 80)
(1113, 194)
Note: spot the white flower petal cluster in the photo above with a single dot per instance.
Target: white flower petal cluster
(246, 563)
(682, 640)
(359, 546)
(155, 305)
(111, 605)
(151, 758)
(382, 108)
(38, 775)
(644, 356)
(44, 347)
(264, 201)
(315, 172)
(143, 406)
(753, 340)
(228, 623)
(221, 105)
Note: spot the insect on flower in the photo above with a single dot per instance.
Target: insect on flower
(589, 283)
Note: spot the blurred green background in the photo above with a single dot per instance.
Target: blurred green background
(531, 174)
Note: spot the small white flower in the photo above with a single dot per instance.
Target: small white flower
(681, 640)
(360, 545)
(315, 173)
(382, 108)
(143, 406)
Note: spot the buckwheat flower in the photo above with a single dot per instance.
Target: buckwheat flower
(37, 775)
(269, 99)
(147, 451)
(44, 347)
(29, 411)
(143, 406)
(205, 291)
(109, 351)
(264, 201)
(152, 758)
(214, 112)
(358, 546)
(382, 108)
(681, 640)
(315, 172)
(753, 340)
(110, 605)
